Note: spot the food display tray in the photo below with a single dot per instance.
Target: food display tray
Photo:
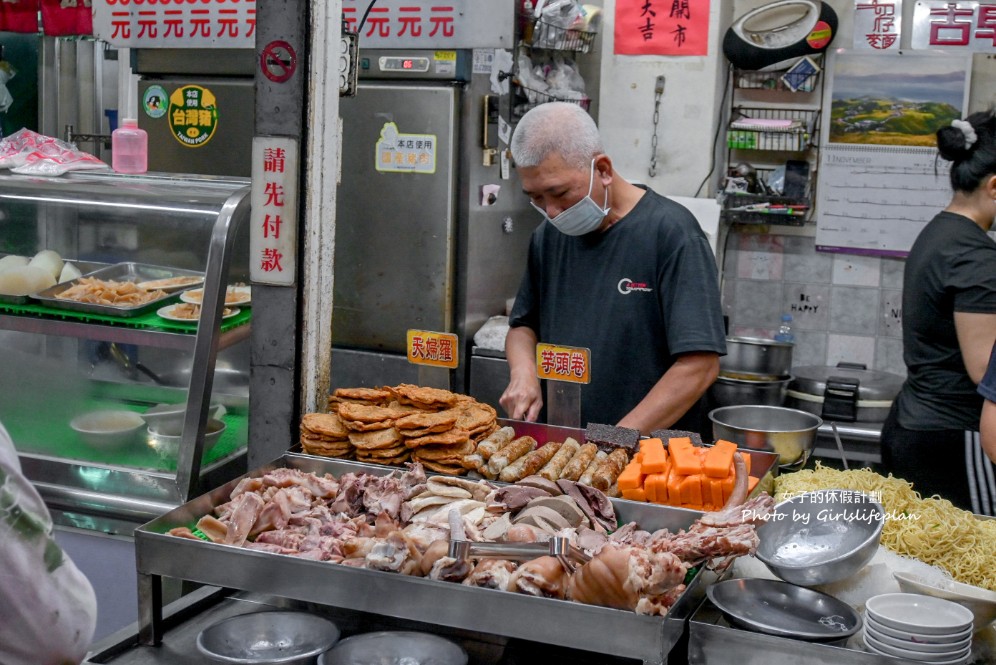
(118, 272)
(557, 622)
(85, 267)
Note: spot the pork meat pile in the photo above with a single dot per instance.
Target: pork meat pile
(402, 523)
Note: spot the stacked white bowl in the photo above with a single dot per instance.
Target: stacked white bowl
(919, 628)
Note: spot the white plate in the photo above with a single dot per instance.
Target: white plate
(919, 638)
(918, 656)
(240, 296)
(918, 613)
(167, 313)
(981, 602)
(949, 648)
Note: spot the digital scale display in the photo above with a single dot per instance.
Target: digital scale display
(403, 64)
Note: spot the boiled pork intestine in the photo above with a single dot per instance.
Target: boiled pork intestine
(402, 523)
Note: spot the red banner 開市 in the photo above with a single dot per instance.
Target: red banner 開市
(662, 27)
(19, 15)
(66, 17)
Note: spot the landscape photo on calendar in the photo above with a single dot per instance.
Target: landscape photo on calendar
(894, 100)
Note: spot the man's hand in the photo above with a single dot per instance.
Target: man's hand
(522, 399)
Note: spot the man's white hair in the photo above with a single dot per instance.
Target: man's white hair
(556, 128)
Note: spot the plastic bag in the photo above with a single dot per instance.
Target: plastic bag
(556, 18)
(29, 152)
(565, 80)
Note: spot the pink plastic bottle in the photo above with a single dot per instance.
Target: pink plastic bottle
(129, 148)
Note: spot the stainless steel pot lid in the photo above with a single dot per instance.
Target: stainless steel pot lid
(873, 385)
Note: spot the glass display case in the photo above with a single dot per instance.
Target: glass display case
(65, 360)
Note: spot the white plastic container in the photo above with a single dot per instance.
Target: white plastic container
(129, 148)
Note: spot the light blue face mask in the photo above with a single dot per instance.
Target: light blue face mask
(584, 216)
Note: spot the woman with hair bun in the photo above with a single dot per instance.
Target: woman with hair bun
(931, 436)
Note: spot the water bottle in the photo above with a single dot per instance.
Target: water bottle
(784, 333)
(129, 148)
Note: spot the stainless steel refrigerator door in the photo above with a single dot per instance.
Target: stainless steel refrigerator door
(395, 231)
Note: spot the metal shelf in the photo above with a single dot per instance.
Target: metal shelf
(107, 333)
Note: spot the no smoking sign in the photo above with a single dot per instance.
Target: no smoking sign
(278, 61)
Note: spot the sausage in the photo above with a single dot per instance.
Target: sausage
(552, 470)
(529, 463)
(609, 469)
(589, 471)
(492, 443)
(582, 458)
(509, 453)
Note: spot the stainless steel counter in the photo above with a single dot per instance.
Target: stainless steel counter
(188, 616)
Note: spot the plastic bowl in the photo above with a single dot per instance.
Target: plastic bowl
(918, 638)
(821, 537)
(918, 613)
(981, 602)
(952, 658)
(268, 637)
(166, 436)
(872, 630)
(789, 432)
(108, 429)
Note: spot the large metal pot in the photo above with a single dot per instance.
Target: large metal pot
(727, 391)
(754, 357)
(845, 393)
(789, 432)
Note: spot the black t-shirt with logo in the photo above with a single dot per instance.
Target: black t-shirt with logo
(637, 295)
(951, 268)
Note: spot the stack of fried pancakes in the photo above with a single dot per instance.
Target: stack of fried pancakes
(392, 425)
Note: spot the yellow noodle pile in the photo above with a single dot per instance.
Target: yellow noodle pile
(931, 530)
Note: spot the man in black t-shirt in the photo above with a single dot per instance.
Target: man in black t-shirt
(617, 269)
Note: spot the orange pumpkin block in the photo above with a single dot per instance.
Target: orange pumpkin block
(656, 487)
(719, 459)
(716, 491)
(634, 494)
(683, 456)
(691, 491)
(631, 477)
(655, 458)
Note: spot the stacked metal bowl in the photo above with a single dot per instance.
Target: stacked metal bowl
(753, 371)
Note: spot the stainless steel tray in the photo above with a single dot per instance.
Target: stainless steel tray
(118, 272)
(587, 627)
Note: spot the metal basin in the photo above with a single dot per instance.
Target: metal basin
(785, 610)
(788, 432)
(756, 357)
(260, 638)
(821, 537)
(730, 392)
(395, 648)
